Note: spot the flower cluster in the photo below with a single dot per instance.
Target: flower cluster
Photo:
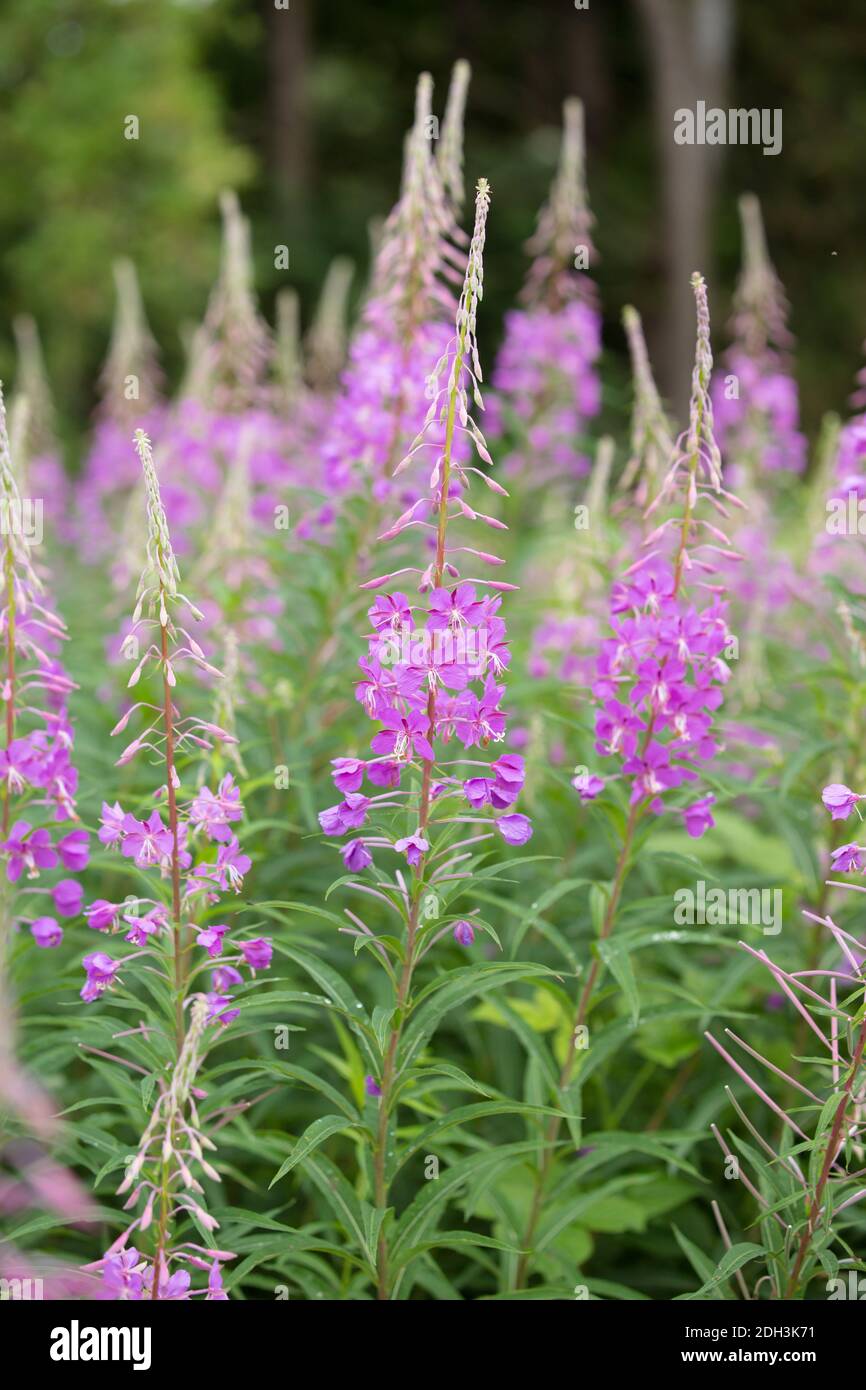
(37, 775)
(190, 843)
(406, 323)
(432, 668)
(660, 676)
(756, 402)
(545, 378)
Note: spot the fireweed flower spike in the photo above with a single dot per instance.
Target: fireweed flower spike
(130, 393)
(35, 448)
(405, 325)
(755, 396)
(430, 683)
(167, 840)
(37, 778)
(449, 147)
(232, 352)
(660, 676)
(545, 380)
(174, 842)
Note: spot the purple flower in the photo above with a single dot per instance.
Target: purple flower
(121, 1275)
(403, 735)
(840, 800)
(515, 829)
(174, 1287)
(17, 765)
(224, 977)
(477, 791)
(111, 824)
(68, 897)
(587, 785)
(510, 776)
(846, 859)
(217, 1011)
(348, 773)
(390, 611)
(147, 842)
(30, 850)
(698, 817)
(348, 815)
(101, 971)
(229, 869)
(455, 608)
(413, 846)
(46, 932)
(384, 773)
(257, 953)
(217, 812)
(140, 928)
(215, 1291)
(464, 933)
(74, 850)
(211, 939)
(356, 856)
(102, 915)
(372, 1087)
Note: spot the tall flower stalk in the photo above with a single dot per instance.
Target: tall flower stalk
(172, 932)
(659, 679)
(418, 677)
(545, 379)
(756, 397)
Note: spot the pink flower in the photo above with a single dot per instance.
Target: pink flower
(74, 850)
(224, 977)
(229, 869)
(101, 972)
(211, 938)
(217, 812)
(587, 785)
(348, 773)
(698, 818)
(384, 774)
(257, 953)
(464, 933)
(356, 856)
(46, 932)
(147, 842)
(217, 1011)
(140, 928)
(847, 859)
(413, 846)
(111, 824)
(840, 800)
(510, 776)
(515, 829)
(454, 608)
(102, 915)
(68, 897)
(403, 735)
(30, 850)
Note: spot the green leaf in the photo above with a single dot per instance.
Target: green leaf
(313, 1136)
